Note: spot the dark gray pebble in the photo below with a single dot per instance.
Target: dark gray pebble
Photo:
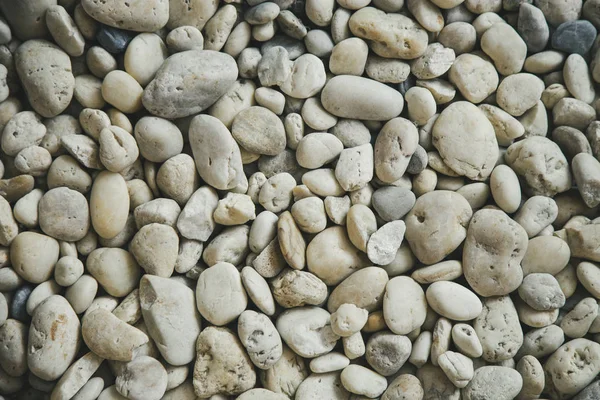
(571, 141)
(393, 203)
(18, 308)
(418, 161)
(113, 40)
(592, 392)
(533, 28)
(294, 47)
(574, 37)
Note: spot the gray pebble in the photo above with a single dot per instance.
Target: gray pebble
(393, 203)
(574, 37)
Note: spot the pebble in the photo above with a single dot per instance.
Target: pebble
(260, 338)
(396, 143)
(465, 339)
(505, 47)
(559, 382)
(307, 331)
(328, 385)
(424, 221)
(576, 323)
(142, 378)
(360, 380)
(133, 17)
(348, 96)
(542, 292)
(298, 288)
(222, 278)
(532, 27)
(53, 338)
(222, 365)
(574, 37)
(13, 338)
(505, 188)
(501, 382)
(404, 305)
(442, 297)
(33, 256)
(546, 255)
(168, 96)
(385, 242)
(498, 329)
(386, 352)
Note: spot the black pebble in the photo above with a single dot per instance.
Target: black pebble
(114, 40)
(574, 37)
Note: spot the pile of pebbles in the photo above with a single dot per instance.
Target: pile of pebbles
(299, 199)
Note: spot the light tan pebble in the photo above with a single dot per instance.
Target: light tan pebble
(118, 149)
(177, 178)
(544, 62)
(270, 99)
(545, 254)
(248, 61)
(535, 318)
(459, 117)
(443, 297)
(442, 271)
(139, 193)
(318, 149)
(458, 36)
(362, 196)
(371, 293)
(432, 207)
(576, 323)
(270, 261)
(129, 310)
(519, 92)
(427, 14)
(101, 326)
(33, 256)
(82, 293)
(498, 329)
(142, 378)
(8, 225)
(492, 254)
(67, 248)
(93, 121)
(53, 338)
(457, 367)
(109, 204)
(115, 269)
(234, 209)
(134, 17)
(260, 338)
(90, 390)
(553, 94)
(231, 245)
(541, 179)
(239, 39)
(306, 79)
(83, 149)
(329, 363)
(248, 122)
(404, 305)
(291, 241)
(294, 129)
(476, 194)
(421, 349)
(122, 91)
(349, 57)
(332, 257)
(190, 252)
(309, 214)
(506, 127)
(574, 113)
(360, 380)
(23, 130)
(316, 117)
(319, 42)
(387, 70)
(589, 276)
(442, 91)
(441, 338)
(307, 331)
(465, 339)
(100, 62)
(505, 47)
(328, 385)
(361, 224)
(421, 105)
(276, 194)
(499, 381)
(196, 219)
(13, 338)
(291, 25)
(40, 294)
(425, 182)
(505, 188)
(184, 38)
(161, 210)
(255, 183)
(474, 77)
(262, 231)
(9, 108)
(10, 280)
(275, 67)
(108, 303)
(535, 120)
(155, 247)
(350, 96)
(213, 282)
(264, 32)
(320, 13)
(585, 171)
(88, 91)
(218, 28)
(111, 393)
(337, 208)
(64, 31)
(385, 242)
(373, 24)
(150, 48)
(392, 160)
(169, 310)
(49, 84)
(286, 375)
(348, 320)
(435, 62)
(568, 279)
(14, 188)
(533, 377)
(561, 384)
(76, 377)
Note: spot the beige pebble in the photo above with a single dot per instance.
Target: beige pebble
(122, 91)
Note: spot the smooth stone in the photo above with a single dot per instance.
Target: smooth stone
(475, 77)
(394, 146)
(348, 96)
(306, 79)
(498, 329)
(542, 292)
(64, 214)
(141, 17)
(591, 392)
(562, 384)
(260, 338)
(360, 380)
(76, 376)
(385, 242)
(64, 31)
(404, 305)
(574, 37)
(26, 19)
(33, 256)
(404, 387)
(84, 149)
(231, 246)
(53, 338)
(329, 363)
(212, 284)
(386, 352)
(168, 94)
(13, 347)
(458, 368)
(155, 247)
(532, 27)
(307, 331)
(465, 339)
(222, 366)
(23, 130)
(453, 301)
(317, 386)
(585, 171)
(99, 329)
(502, 383)
(286, 375)
(169, 310)
(364, 288)
(46, 75)
(142, 378)
(109, 204)
(428, 243)
(259, 130)
(505, 47)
